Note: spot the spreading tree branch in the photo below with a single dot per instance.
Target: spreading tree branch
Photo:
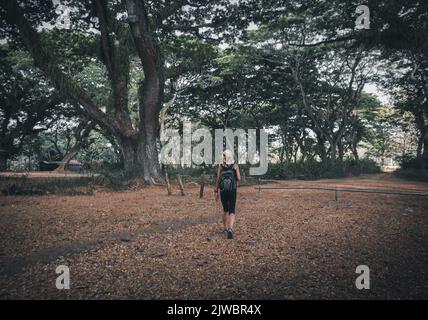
(49, 65)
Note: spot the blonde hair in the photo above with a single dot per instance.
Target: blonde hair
(227, 158)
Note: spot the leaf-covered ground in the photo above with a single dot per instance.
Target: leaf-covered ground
(289, 244)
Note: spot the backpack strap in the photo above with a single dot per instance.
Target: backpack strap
(227, 167)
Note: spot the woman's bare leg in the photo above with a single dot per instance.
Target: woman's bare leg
(225, 220)
(231, 220)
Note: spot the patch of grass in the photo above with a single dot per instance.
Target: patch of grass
(44, 186)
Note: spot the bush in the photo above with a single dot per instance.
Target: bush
(312, 169)
(303, 170)
(412, 167)
(408, 161)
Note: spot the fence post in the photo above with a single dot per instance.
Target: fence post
(180, 184)
(201, 190)
(168, 184)
(336, 197)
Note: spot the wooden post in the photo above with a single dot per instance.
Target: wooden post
(336, 197)
(201, 190)
(168, 185)
(180, 184)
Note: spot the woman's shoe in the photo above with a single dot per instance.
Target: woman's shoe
(229, 234)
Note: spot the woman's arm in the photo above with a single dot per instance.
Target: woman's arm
(217, 179)
(238, 173)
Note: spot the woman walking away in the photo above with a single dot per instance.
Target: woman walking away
(227, 177)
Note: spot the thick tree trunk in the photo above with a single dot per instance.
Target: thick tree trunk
(148, 152)
(140, 158)
(133, 155)
(151, 98)
(151, 90)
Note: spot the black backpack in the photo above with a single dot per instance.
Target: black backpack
(227, 181)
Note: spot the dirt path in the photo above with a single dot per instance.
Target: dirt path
(16, 265)
(288, 244)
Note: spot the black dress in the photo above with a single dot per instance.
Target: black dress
(228, 198)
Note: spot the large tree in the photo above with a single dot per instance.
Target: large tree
(125, 33)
